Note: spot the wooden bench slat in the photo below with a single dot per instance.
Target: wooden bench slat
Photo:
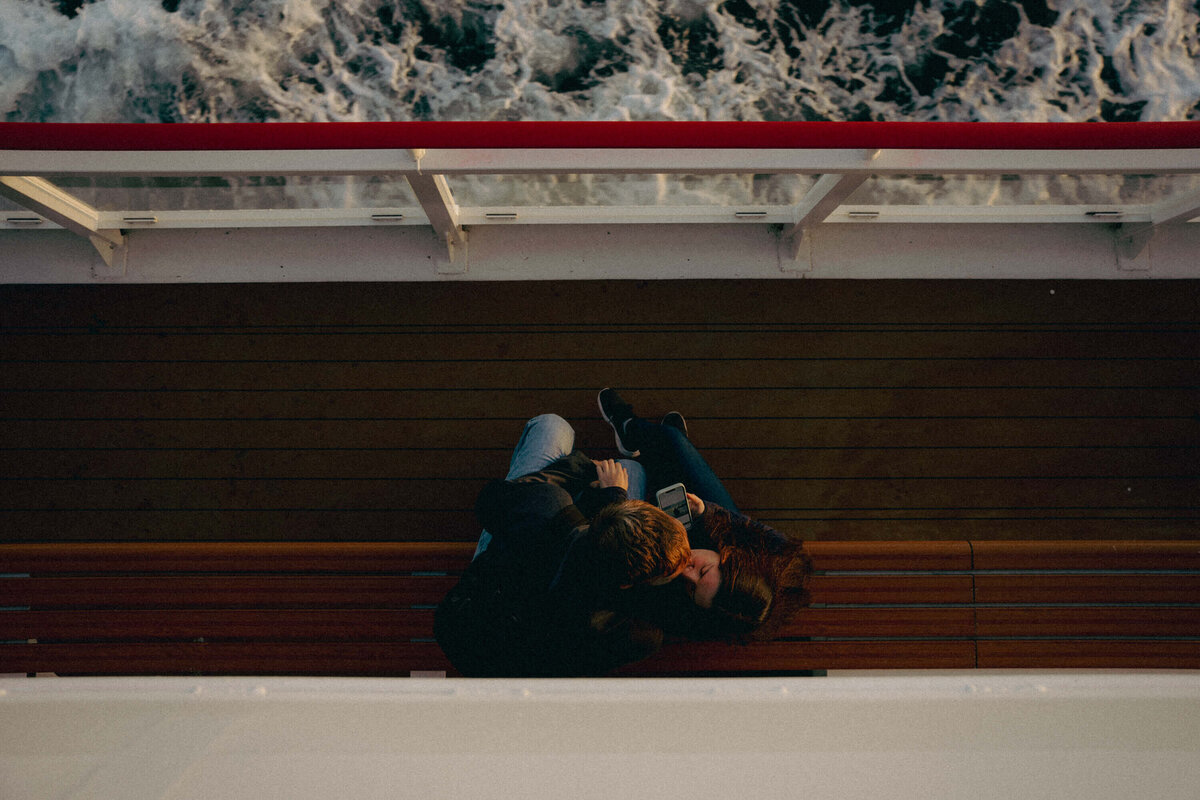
(226, 591)
(889, 588)
(1137, 555)
(699, 657)
(143, 557)
(1141, 588)
(914, 623)
(1089, 621)
(380, 659)
(887, 556)
(1089, 654)
(272, 625)
(214, 522)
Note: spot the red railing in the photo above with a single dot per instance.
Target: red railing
(683, 135)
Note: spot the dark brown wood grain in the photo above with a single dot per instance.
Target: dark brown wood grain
(871, 410)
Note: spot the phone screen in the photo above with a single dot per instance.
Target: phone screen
(673, 500)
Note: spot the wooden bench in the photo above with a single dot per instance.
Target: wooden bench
(293, 608)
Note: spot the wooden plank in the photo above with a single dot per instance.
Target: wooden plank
(257, 625)
(893, 302)
(897, 622)
(692, 658)
(481, 463)
(1014, 526)
(1139, 588)
(908, 417)
(239, 524)
(1090, 654)
(666, 370)
(150, 557)
(939, 492)
(460, 526)
(890, 589)
(405, 420)
(1135, 555)
(375, 659)
(740, 339)
(858, 395)
(889, 556)
(815, 496)
(1135, 621)
(226, 591)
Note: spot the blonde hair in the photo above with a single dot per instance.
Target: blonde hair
(639, 542)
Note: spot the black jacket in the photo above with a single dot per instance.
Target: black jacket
(534, 603)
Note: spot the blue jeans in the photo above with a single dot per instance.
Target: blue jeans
(547, 438)
(669, 457)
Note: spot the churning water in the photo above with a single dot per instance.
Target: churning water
(324, 60)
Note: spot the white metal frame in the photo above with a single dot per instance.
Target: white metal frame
(23, 180)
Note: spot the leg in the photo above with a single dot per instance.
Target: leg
(545, 439)
(637, 479)
(669, 457)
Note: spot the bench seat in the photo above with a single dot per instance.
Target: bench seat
(304, 608)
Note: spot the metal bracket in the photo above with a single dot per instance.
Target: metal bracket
(1131, 244)
(794, 253)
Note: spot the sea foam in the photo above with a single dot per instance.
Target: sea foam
(315, 60)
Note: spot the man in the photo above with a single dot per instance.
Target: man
(562, 551)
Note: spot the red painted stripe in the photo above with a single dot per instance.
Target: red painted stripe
(687, 135)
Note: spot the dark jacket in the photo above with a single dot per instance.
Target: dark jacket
(534, 603)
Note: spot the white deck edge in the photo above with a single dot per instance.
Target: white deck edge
(985, 735)
(741, 250)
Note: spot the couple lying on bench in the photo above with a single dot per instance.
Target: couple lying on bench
(576, 574)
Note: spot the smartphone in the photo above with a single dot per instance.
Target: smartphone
(673, 500)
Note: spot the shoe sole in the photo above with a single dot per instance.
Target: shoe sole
(616, 436)
(682, 427)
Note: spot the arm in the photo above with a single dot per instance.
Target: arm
(726, 528)
(572, 473)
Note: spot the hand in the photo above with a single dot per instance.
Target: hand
(610, 473)
(695, 505)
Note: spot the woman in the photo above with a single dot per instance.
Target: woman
(748, 576)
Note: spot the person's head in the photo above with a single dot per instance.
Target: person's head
(742, 588)
(639, 543)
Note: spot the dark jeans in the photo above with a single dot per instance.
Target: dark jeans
(669, 457)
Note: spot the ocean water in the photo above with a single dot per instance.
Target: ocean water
(319, 60)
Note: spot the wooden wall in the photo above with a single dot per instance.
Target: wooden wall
(832, 409)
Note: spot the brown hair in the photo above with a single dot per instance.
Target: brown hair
(760, 589)
(638, 542)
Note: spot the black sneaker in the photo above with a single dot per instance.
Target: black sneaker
(616, 412)
(675, 420)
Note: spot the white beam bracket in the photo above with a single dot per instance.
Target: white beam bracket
(436, 199)
(44, 198)
(829, 192)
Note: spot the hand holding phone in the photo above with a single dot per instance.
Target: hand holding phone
(674, 500)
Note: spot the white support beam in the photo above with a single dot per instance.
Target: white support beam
(436, 199)
(68, 211)
(1176, 209)
(829, 192)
